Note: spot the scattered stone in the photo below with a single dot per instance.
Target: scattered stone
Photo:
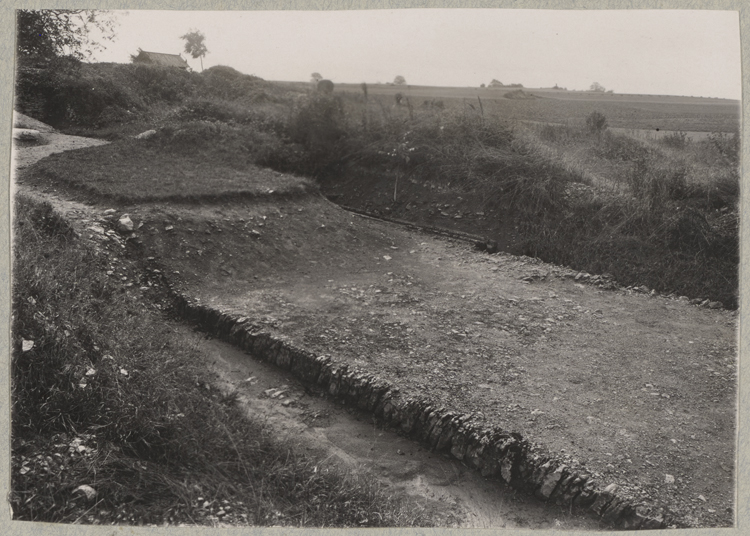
(125, 224)
(88, 491)
(26, 345)
(145, 135)
(715, 305)
(668, 479)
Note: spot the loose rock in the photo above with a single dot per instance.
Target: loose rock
(146, 135)
(125, 224)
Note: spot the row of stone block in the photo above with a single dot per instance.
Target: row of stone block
(493, 452)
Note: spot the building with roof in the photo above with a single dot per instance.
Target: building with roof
(160, 59)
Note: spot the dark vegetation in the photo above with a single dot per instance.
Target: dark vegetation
(112, 396)
(662, 220)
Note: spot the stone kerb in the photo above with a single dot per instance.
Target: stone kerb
(495, 453)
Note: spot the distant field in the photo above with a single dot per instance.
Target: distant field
(644, 112)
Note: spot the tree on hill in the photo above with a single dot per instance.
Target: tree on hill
(316, 77)
(399, 80)
(195, 44)
(496, 83)
(50, 33)
(596, 86)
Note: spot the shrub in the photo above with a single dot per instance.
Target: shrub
(64, 93)
(596, 122)
(317, 122)
(212, 110)
(162, 84)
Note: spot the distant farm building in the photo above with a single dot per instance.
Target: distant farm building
(159, 59)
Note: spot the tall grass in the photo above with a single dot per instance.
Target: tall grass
(662, 213)
(107, 394)
(659, 213)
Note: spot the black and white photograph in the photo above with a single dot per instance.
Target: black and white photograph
(393, 268)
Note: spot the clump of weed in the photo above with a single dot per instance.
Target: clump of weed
(596, 122)
(619, 147)
(675, 140)
(655, 183)
(728, 145)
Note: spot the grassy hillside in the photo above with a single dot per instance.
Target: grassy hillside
(657, 213)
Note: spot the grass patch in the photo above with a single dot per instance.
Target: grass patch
(176, 167)
(105, 394)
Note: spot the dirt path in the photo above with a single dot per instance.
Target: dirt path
(637, 389)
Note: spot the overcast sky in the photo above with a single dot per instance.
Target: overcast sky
(640, 51)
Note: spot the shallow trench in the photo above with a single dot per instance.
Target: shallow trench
(350, 438)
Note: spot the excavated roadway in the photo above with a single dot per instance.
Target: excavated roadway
(638, 390)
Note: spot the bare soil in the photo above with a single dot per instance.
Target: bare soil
(639, 390)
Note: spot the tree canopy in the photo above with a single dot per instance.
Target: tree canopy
(50, 33)
(195, 44)
(399, 80)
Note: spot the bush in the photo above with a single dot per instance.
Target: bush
(222, 82)
(212, 110)
(317, 122)
(596, 122)
(64, 93)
